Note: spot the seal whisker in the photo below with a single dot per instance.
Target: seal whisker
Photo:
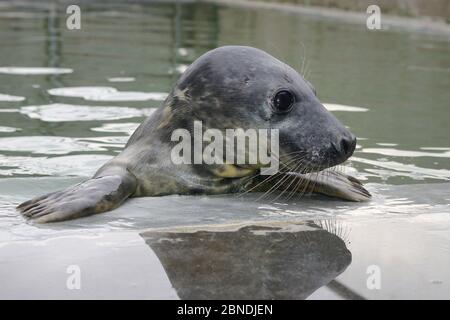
(257, 185)
(276, 185)
(274, 176)
(316, 179)
(302, 68)
(271, 177)
(288, 186)
(301, 179)
(305, 187)
(273, 187)
(293, 174)
(307, 72)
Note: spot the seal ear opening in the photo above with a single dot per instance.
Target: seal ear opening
(92, 196)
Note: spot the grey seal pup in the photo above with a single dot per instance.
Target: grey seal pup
(228, 87)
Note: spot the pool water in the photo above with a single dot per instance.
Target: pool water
(69, 100)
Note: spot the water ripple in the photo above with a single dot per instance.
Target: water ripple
(51, 145)
(341, 107)
(67, 112)
(126, 127)
(406, 153)
(72, 165)
(9, 129)
(106, 94)
(34, 71)
(7, 97)
(394, 168)
(122, 79)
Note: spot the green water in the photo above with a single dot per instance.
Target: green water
(402, 78)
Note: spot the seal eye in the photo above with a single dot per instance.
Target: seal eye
(283, 101)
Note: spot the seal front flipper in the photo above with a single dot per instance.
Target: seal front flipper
(327, 182)
(96, 195)
(335, 184)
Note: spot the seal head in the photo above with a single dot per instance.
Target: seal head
(244, 87)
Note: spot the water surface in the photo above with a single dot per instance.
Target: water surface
(70, 99)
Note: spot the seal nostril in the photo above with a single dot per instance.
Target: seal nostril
(348, 145)
(345, 146)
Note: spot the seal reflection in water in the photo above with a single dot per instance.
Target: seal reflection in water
(229, 87)
(279, 260)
